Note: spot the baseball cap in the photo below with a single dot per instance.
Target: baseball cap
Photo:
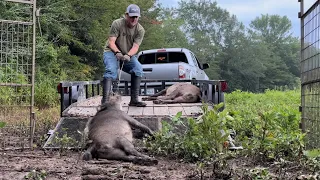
(133, 10)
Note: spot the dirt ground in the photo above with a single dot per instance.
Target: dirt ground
(22, 164)
(18, 165)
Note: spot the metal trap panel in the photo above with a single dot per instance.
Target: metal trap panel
(68, 133)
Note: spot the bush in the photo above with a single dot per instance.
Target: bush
(45, 92)
(202, 139)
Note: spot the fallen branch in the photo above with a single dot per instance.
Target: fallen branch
(95, 177)
(100, 162)
(25, 156)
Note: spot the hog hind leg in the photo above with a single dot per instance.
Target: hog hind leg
(120, 155)
(149, 98)
(179, 99)
(154, 96)
(128, 147)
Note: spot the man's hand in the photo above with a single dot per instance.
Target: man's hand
(126, 58)
(119, 56)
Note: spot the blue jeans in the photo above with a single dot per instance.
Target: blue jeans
(111, 64)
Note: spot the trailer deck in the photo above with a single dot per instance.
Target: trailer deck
(88, 108)
(75, 115)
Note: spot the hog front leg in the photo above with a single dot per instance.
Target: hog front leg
(136, 124)
(89, 153)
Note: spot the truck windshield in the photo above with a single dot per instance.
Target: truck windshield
(162, 57)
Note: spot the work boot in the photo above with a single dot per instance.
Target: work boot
(106, 89)
(135, 88)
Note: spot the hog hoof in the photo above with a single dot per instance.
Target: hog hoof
(87, 156)
(157, 102)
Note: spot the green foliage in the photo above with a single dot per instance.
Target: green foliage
(2, 124)
(45, 92)
(63, 141)
(192, 139)
(267, 124)
(313, 159)
(257, 174)
(11, 73)
(36, 175)
(282, 60)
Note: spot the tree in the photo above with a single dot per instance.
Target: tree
(283, 62)
(206, 26)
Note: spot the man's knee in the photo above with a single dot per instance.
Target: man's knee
(137, 68)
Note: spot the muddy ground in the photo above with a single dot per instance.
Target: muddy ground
(53, 165)
(18, 165)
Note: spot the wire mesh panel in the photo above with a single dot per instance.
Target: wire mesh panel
(17, 40)
(310, 74)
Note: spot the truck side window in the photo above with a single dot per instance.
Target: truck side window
(177, 57)
(200, 65)
(194, 59)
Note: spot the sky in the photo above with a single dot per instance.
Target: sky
(247, 10)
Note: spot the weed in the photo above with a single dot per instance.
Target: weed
(2, 124)
(257, 173)
(64, 142)
(201, 140)
(36, 175)
(313, 159)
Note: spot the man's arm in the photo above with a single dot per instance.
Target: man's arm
(112, 44)
(134, 49)
(137, 41)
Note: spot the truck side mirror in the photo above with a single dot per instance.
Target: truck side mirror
(205, 66)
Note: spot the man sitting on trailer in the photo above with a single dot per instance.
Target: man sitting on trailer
(125, 37)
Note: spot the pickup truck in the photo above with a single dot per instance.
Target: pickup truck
(170, 64)
(166, 64)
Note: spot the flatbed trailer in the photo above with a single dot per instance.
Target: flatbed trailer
(75, 116)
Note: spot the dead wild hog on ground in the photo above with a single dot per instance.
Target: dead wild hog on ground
(177, 93)
(110, 135)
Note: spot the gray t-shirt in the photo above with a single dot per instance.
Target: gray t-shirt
(125, 36)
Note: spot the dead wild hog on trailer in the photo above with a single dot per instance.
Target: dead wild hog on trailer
(110, 135)
(177, 93)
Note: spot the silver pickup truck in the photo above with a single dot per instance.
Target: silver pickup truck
(170, 64)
